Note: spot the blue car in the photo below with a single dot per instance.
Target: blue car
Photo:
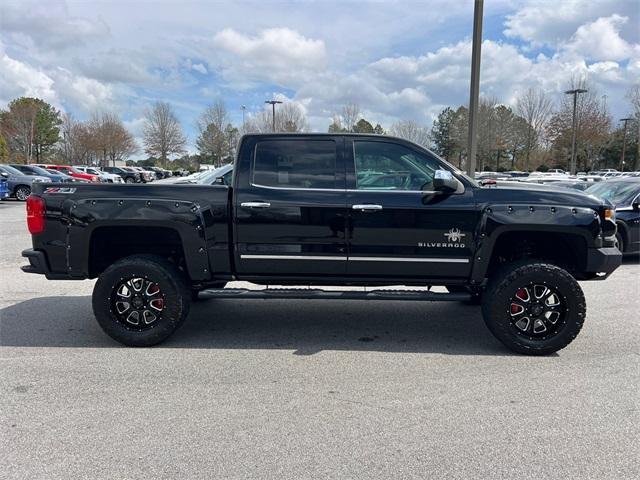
(4, 188)
(19, 183)
(35, 171)
(624, 194)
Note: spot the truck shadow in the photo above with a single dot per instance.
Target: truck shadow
(305, 327)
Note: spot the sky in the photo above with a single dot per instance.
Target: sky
(399, 60)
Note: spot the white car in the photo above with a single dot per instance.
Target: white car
(104, 176)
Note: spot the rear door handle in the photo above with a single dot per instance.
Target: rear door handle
(255, 204)
(369, 207)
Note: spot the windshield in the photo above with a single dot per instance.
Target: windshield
(39, 171)
(10, 170)
(615, 192)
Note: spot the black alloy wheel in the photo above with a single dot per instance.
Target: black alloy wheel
(536, 310)
(138, 303)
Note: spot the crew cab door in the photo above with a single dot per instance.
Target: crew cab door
(396, 229)
(290, 207)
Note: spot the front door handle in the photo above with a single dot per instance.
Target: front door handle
(368, 207)
(255, 204)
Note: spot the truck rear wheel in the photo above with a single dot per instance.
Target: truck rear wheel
(534, 308)
(141, 300)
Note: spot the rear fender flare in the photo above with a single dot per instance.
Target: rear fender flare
(187, 218)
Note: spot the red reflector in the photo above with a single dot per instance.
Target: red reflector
(35, 214)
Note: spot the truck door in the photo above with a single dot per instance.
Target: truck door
(290, 207)
(395, 230)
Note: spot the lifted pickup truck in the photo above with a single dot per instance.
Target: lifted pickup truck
(362, 210)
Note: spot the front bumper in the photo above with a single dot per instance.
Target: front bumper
(603, 261)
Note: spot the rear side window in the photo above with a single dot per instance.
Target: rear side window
(295, 164)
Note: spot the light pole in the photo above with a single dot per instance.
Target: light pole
(273, 112)
(243, 107)
(575, 92)
(474, 92)
(624, 141)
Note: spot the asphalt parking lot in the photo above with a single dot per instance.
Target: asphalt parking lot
(310, 389)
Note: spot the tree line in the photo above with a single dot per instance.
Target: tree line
(533, 134)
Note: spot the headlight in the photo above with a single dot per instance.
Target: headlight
(610, 213)
(40, 180)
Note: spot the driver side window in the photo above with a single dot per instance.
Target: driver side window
(389, 166)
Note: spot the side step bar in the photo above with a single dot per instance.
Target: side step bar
(311, 294)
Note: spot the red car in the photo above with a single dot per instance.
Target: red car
(69, 170)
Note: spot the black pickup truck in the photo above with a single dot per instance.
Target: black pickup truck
(361, 210)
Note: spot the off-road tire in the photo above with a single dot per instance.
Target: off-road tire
(174, 289)
(502, 287)
(620, 241)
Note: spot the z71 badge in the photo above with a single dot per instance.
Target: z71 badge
(66, 190)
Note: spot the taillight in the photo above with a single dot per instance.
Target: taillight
(35, 214)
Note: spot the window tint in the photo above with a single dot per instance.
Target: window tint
(295, 164)
(388, 166)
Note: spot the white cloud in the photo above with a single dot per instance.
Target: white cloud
(85, 94)
(600, 40)
(48, 25)
(21, 79)
(200, 68)
(277, 55)
(114, 65)
(553, 22)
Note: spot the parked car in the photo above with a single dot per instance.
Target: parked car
(18, 183)
(220, 176)
(71, 171)
(574, 184)
(105, 177)
(4, 186)
(146, 175)
(52, 175)
(127, 176)
(156, 173)
(299, 213)
(624, 194)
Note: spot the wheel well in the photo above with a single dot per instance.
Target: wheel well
(622, 228)
(109, 244)
(565, 250)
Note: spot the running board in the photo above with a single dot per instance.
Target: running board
(310, 294)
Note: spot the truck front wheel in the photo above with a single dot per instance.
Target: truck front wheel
(534, 308)
(141, 300)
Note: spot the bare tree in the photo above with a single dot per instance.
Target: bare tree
(109, 139)
(633, 95)
(19, 127)
(76, 141)
(535, 107)
(412, 131)
(290, 117)
(212, 140)
(593, 126)
(163, 135)
(350, 115)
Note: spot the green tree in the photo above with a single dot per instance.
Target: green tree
(363, 127)
(378, 130)
(442, 133)
(31, 127)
